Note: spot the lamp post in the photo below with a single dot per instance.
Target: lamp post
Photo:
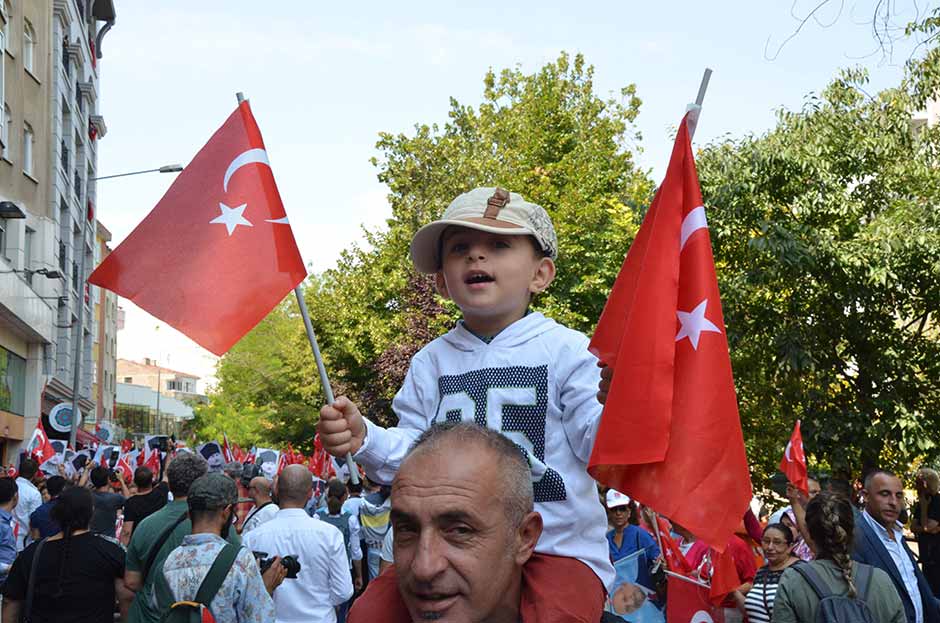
(77, 368)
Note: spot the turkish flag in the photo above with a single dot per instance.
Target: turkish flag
(217, 253)
(226, 451)
(39, 446)
(124, 466)
(675, 559)
(687, 602)
(670, 436)
(793, 463)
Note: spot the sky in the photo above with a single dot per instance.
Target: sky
(325, 78)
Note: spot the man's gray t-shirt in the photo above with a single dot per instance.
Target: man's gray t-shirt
(104, 520)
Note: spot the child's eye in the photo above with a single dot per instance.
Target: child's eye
(502, 244)
(458, 247)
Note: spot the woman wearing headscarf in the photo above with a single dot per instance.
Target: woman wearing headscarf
(777, 544)
(78, 574)
(831, 527)
(925, 524)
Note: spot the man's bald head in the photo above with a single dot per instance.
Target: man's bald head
(514, 474)
(294, 486)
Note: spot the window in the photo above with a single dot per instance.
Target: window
(27, 149)
(7, 17)
(6, 131)
(128, 379)
(3, 99)
(28, 252)
(12, 382)
(29, 45)
(174, 386)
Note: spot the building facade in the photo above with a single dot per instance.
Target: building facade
(48, 162)
(171, 383)
(104, 349)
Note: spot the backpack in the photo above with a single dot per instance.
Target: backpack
(840, 608)
(197, 611)
(341, 523)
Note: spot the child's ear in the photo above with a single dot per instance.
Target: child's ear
(440, 285)
(543, 276)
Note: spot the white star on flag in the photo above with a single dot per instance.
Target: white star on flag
(694, 323)
(231, 217)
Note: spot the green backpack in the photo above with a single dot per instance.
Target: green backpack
(197, 611)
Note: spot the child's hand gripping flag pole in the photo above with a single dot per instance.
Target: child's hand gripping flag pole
(217, 253)
(670, 435)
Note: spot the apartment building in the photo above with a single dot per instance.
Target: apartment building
(49, 133)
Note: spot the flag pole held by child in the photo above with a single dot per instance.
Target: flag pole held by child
(311, 336)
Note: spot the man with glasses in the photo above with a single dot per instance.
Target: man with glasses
(264, 510)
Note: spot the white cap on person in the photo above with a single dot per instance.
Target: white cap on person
(489, 209)
(615, 498)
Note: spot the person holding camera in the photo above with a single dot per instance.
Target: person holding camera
(323, 580)
(207, 572)
(107, 503)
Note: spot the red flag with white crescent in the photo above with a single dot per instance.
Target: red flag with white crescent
(39, 446)
(217, 252)
(793, 463)
(671, 414)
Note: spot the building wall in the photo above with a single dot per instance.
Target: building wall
(104, 387)
(57, 98)
(146, 373)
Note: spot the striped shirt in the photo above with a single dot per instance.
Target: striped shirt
(759, 602)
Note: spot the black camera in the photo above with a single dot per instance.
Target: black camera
(249, 471)
(288, 562)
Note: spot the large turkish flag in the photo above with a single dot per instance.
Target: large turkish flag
(216, 254)
(670, 436)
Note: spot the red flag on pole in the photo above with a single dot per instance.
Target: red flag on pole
(217, 253)
(39, 446)
(671, 415)
(227, 453)
(793, 463)
(688, 602)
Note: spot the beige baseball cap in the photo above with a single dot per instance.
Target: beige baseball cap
(490, 209)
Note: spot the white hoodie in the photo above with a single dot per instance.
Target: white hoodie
(536, 383)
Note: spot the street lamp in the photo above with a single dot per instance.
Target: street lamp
(167, 168)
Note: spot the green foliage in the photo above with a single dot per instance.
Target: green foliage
(827, 236)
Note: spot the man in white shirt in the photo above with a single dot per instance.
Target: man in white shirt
(880, 542)
(30, 500)
(324, 581)
(264, 510)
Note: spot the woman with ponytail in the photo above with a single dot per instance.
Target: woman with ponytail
(831, 525)
(78, 574)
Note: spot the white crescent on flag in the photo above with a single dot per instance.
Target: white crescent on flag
(701, 617)
(247, 157)
(786, 452)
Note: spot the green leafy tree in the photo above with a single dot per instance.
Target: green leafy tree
(827, 239)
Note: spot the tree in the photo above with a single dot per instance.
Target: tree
(827, 240)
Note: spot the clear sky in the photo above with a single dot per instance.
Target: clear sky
(325, 78)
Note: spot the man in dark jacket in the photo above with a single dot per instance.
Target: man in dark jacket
(879, 542)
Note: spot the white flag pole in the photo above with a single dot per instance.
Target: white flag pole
(312, 338)
(696, 108)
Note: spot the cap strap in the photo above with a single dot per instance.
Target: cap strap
(495, 203)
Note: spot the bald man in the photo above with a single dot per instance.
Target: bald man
(264, 510)
(324, 581)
